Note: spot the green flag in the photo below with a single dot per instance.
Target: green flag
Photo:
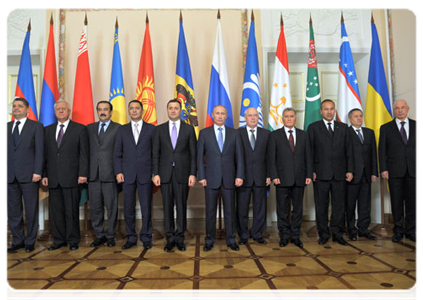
(313, 99)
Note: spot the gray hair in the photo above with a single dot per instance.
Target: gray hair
(61, 101)
(289, 109)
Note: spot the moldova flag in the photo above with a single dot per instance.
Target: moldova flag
(25, 84)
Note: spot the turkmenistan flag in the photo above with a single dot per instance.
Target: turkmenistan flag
(313, 98)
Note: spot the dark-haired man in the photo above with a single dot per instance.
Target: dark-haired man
(132, 165)
(174, 170)
(103, 191)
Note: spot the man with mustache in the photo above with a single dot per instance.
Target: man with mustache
(103, 191)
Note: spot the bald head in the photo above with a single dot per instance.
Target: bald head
(401, 109)
(251, 116)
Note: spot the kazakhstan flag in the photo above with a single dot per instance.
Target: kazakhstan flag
(117, 96)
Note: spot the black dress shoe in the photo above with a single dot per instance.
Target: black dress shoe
(169, 246)
(297, 242)
(368, 236)
(234, 246)
(55, 247)
(340, 240)
(98, 242)
(147, 245)
(15, 248)
(73, 247)
(128, 245)
(29, 248)
(207, 247)
(111, 243)
(352, 237)
(181, 246)
(283, 242)
(261, 240)
(411, 237)
(323, 240)
(243, 241)
(397, 238)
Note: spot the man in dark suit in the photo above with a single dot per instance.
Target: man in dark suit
(254, 142)
(397, 162)
(66, 166)
(365, 173)
(174, 170)
(333, 165)
(25, 156)
(220, 163)
(132, 163)
(291, 169)
(102, 186)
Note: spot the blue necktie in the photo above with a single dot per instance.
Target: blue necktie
(220, 139)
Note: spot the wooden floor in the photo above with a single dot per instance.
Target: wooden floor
(363, 264)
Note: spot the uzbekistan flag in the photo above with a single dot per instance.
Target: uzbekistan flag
(348, 93)
(50, 91)
(219, 93)
(378, 105)
(145, 87)
(281, 91)
(184, 88)
(83, 109)
(117, 95)
(251, 89)
(25, 84)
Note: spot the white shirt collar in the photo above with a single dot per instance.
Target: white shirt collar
(66, 123)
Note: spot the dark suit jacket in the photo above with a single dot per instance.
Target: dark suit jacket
(255, 162)
(394, 155)
(292, 168)
(134, 160)
(332, 158)
(27, 157)
(219, 167)
(65, 164)
(184, 155)
(101, 154)
(365, 157)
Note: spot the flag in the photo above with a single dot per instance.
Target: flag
(378, 104)
(184, 88)
(281, 91)
(117, 95)
(145, 87)
(83, 108)
(251, 89)
(313, 99)
(348, 93)
(50, 91)
(25, 84)
(219, 93)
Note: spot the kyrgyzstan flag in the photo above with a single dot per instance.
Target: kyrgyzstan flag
(83, 109)
(145, 85)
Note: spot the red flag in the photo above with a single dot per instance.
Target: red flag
(83, 109)
(145, 85)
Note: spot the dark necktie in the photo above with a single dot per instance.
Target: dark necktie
(101, 134)
(60, 136)
(403, 133)
(291, 140)
(252, 139)
(15, 133)
(330, 129)
(360, 136)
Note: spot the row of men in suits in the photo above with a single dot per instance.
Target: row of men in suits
(237, 164)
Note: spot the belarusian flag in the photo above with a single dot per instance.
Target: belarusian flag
(281, 91)
(313, 99)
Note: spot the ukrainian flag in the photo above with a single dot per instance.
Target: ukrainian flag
(117, 95)
(378, 104)
(184, 87)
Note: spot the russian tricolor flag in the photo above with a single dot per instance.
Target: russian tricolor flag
(25, 84)
(219, 93)
(348, 93)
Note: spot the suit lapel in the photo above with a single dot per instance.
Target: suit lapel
(225, 141)
(24, 131)
(142, 133)
(412, 128)
(97, 126)
(325, 129)
(182, 128)
(355, 135)
(396, 130)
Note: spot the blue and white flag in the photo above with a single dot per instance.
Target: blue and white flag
(251, 89)
(348, 93)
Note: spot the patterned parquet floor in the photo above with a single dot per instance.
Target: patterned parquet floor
(363, 264)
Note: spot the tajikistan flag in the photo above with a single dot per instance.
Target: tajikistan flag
(281, 92)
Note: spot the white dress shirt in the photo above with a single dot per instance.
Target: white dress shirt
(406, 126)
(359, 129)
(294, 134)
(332, 123)
(216, 131)
(105, 126)
(250, 133)
(21, 125)
(178, 125)
(134, 130)
(64, 127)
